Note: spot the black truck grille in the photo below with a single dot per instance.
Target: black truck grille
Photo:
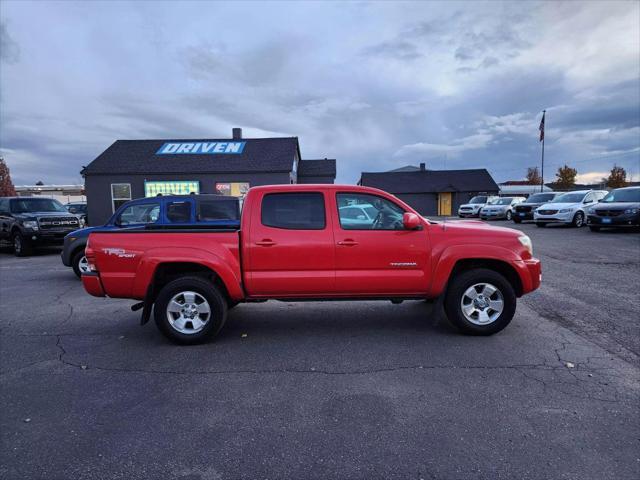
(609, 213)
(46, 223)
(523, 208)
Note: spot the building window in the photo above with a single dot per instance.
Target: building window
(120, 193)
(294, 211)
(234, 189)
(153, 188)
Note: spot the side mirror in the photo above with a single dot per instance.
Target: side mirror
(411, 221)
(73, 210)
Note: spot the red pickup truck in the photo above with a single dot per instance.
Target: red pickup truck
(301, 242)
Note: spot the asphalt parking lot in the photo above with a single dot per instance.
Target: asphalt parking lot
(329, 390)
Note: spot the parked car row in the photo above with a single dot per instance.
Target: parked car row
(596, 208)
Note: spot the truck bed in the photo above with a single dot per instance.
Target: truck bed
(127, 259)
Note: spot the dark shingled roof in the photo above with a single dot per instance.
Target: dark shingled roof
(139, 156)
(422, 181)
(317, 168)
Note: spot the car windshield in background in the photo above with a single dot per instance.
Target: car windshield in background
(478, 200)
(631, 195)
(503, 201)
(540, 197)
(569, 198)
(26, 205)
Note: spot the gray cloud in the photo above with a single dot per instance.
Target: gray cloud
(394, 49)
(9, 49)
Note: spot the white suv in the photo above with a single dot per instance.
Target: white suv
(472, 209)
(569, 208)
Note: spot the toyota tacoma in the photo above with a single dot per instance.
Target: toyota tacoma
(298, 242)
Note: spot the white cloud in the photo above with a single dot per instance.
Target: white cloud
(472, 142)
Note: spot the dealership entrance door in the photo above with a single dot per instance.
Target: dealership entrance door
(444, 203)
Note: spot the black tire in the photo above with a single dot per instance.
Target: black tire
(509, 215)
(461, 283)
(21, 246)
(75, 262)
(540, 224)
(578, 220)
(594, 228)
(202, 286)
(517, 220)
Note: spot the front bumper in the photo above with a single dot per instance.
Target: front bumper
(555, 218)
(523, 215)
(40, 237)
(468, 213)
(493, 215)
(624, 220)
(531, 280)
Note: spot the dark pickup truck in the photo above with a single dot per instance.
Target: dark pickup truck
(28, 222)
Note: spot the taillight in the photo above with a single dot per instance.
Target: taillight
(91, 256)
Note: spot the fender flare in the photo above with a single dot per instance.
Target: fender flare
(218, 264)
(451, 255)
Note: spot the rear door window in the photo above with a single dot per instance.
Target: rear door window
(179, 211)
(212, 209)
(294, 211)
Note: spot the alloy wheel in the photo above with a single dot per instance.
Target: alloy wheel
(188, 312)
(482, 303)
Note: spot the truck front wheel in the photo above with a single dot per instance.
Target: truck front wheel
(190, 310)
(480, 302)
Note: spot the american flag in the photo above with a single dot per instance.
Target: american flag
(541, 127)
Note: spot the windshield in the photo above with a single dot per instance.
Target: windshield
(504, 201)
(541, 197)
(26, 205)
(478, 200)
(630, 195)
(570, 197)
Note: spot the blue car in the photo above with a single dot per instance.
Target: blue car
(166, 212)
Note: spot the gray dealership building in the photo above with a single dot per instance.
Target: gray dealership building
(131, 169)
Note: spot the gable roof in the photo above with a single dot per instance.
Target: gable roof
(422, 181)
(317, 168)
(139, 157)
(406, 168)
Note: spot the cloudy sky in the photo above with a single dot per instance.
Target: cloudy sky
(375, 85)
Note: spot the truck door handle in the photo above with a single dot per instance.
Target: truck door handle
(348, 243)
(266, 242)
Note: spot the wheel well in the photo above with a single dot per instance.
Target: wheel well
(166, 272)
(499, 266)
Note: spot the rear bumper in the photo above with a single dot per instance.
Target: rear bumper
(92, 284)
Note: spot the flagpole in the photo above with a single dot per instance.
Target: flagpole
(543, 135)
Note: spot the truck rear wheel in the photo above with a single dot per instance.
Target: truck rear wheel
(480, 302)
(190, 310)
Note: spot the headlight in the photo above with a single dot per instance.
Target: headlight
(32, 224)
(526, 243)
(631, 210)
(564, 210)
